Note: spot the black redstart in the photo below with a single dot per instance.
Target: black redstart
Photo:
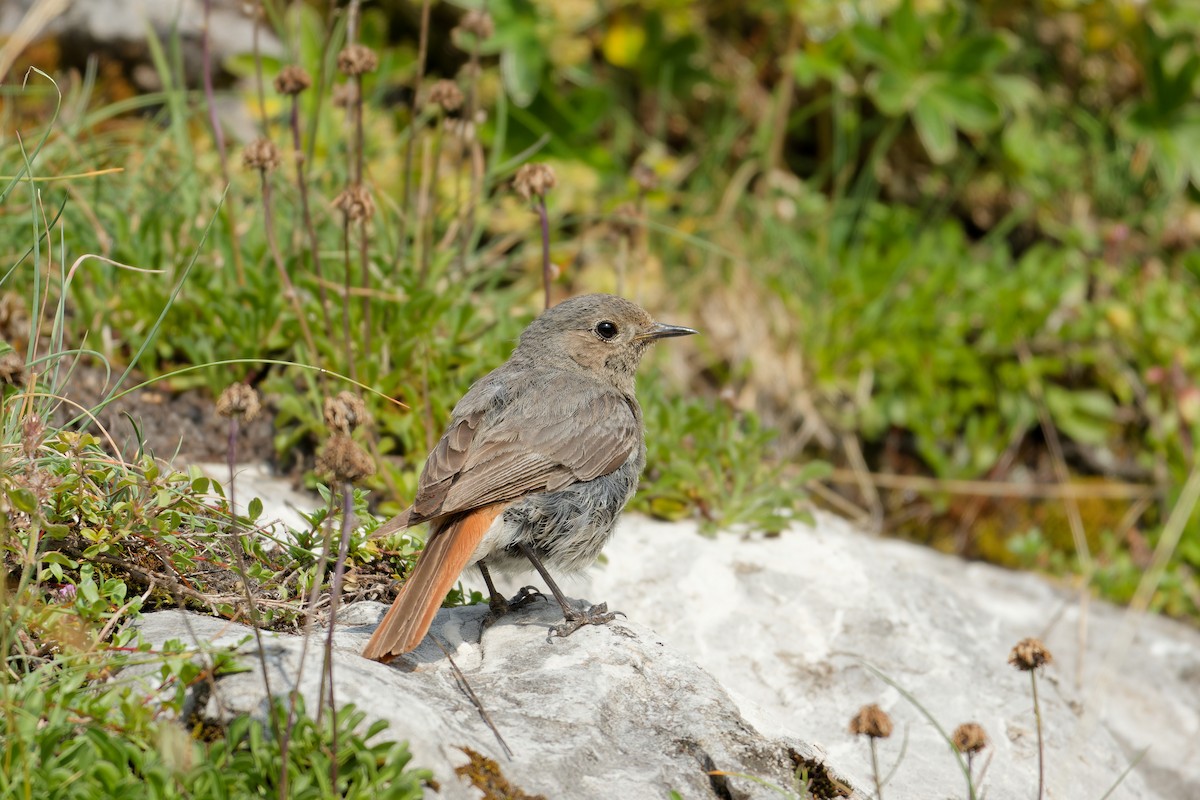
(538, 460)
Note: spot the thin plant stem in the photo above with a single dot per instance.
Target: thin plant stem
(314, 243)
(467, 154)
(422, 54)
(240, 557)
(335, 593)
(358, 156)
(362, 223)
(365, 267)
(289, 288)
(875, 770)
(258, 72)
(314, 595)
(219, 138)
(430, 220)
(285, 737)
(1037, 716)
(540, 206)
(209, 93)
(347, 340)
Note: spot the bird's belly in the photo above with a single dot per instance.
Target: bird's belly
(566, 529)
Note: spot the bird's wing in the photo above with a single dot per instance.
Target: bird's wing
(532, 444)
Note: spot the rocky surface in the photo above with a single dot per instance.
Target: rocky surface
(609, 712)
(118, 28)
(792, 626)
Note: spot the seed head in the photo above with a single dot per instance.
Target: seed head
(32, 430)
(357, 59)
(14, 318)
(534, 180)
(12, 368)
(478, 23)
(871, 721)
(356, 203)
(446, 94)
(969, 738)
(239, 401)
(343, 460)
(1029, 654)
(262, 155)
(345, 412)
(292, 79)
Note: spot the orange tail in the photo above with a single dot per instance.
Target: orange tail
(445, 557)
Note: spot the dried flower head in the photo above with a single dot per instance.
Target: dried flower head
(345, 412)
(38, 482)
(357, 59)
(239, 401)
(14, 318)
(645, 177)
(1029, 654)
(343, 460)
(32, 431)
(292, 79)
(445, 93)
(262, 155)
(12, 368)
(534, 180)
(969, 738)
(356, 203)
(871, 721)
(345, 95)
(478, 23)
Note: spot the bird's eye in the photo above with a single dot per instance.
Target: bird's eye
(606, 330)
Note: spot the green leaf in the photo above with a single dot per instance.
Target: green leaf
(255, 509)
(54, 557)
(810, 66)
(970, 107)
(23, 500)
(934, 128)
(521, 69)
(1083, 415)
(975, 54)
(893, 92)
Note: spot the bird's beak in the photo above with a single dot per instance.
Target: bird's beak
(661, 331)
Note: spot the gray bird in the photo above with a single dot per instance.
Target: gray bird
(539, 459)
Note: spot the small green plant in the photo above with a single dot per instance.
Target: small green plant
(707, 461)
(64, 736)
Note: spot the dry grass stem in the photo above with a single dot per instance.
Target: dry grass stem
(917, 483)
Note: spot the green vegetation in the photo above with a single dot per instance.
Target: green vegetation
(930, 244)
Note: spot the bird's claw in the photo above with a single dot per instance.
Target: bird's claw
(524, 596)
(500, 606)
(577, 618)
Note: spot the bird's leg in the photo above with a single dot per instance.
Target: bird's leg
(575, 618)
(498, 604)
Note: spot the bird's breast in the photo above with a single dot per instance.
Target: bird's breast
(566, 528)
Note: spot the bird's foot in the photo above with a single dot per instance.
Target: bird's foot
(524, 596)
(499, 606)
(577, 618)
